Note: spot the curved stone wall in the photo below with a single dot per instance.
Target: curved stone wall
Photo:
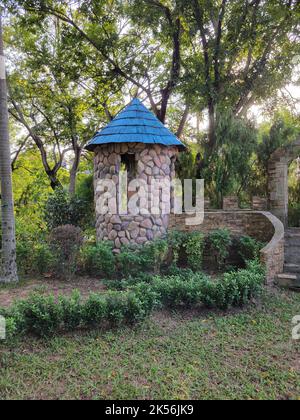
(153, 162)
(273, 254)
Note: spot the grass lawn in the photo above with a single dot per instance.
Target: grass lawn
(245, 354)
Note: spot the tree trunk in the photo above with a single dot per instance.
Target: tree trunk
(9, 265)
(211, 127)
(74, 170)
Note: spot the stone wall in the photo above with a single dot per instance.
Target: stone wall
(262, 226)
(153, 162)
(240, 222)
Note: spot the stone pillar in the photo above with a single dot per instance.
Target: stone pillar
(278, 179)
(278, 189)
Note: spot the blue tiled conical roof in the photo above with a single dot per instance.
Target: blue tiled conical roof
(135, 124)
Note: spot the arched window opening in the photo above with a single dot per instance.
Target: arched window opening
(129, 164)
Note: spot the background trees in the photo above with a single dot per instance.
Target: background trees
(57, 94)
(200, 65)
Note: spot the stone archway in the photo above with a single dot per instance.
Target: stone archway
(278, 179)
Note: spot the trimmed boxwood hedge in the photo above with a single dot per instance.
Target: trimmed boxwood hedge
(46, 316)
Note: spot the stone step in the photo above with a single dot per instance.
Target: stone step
(292, 253)
(292, 268)
(292, 241)
(293, 230)
(290, 234)
(288, 280)
(292, 250)
(291, 260)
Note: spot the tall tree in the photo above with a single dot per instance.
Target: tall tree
(9, 265)
(58, 92)
(243, 51)
(139, 41)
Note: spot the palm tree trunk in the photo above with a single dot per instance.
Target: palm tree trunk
(9, 266)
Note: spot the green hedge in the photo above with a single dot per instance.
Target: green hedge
(179, 250)
(46, 316)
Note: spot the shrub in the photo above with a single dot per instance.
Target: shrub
(176, 240)
(294, 215)
(43, 259)
(249, 248)
(187, 249)
(94, 310)
(135, 308)
(194, 246)
(71, 310)
(128, 282)
(132, 260)
(150, 257)
(39, 315)
(184, 273)
(24, 256)
(148, 295)
(243, 285)
(98, 260)
(219, 242)
(35, 258)
(153, 255)
(66, 242)
(173, 291)
(62, 209)
(116, 307)
(43, 316)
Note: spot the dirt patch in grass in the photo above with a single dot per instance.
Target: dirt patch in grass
(8, 294)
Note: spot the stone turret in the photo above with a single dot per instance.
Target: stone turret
(136, 143)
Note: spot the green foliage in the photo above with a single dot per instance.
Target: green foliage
(187, 249)
(71, 310)
(230, 164)
(61, 209)
(186, 165)
(294, 195)
(176, 241)
(39, 315)
(85, 195)
(35, 258)
(281, 133)
(66, 242)
(94, 310)
(294, 215)
(129, 281)
(234, 289)
(249, 248)
(250, 57)
(181, 252)
(219, 242)
(154, 254)
(194, 246)
(132, 260)
(98, 260)
(175, 291)
(44, 316)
